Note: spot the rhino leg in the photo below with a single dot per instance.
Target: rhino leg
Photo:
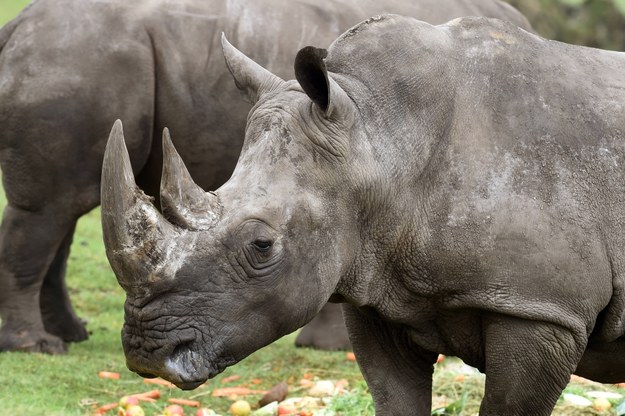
(397, 371)
(28, 244)
(57, 312)
(528, 364)
(326, 331)
(604, 362)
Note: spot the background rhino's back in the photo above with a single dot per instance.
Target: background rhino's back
(155, 64)
(67, 70)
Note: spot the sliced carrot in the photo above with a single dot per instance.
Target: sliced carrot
(350, 356)
(184, 402)
(106, 407)
(152, 394)
(230, 379)
(109, 374)
(235, 391)
(146, 399)
(158, 381)
(256, 381)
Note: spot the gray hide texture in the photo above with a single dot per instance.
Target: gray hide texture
(460, 187)
(69, 68)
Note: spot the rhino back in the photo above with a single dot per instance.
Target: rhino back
(540, 137)
(507, 153)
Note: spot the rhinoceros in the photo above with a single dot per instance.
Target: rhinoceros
(69, 68)
(460, 188)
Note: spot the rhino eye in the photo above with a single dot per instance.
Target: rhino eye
(262, 245)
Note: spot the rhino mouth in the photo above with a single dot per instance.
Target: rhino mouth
(185, 366)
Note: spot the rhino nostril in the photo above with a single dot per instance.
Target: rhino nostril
(184, 360)
(181, 349)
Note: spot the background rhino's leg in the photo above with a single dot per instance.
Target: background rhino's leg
(57, 109)
(528, 364)
(397, 371)
(326, 331)
(603, 362)
(59, 317)
(28, 245)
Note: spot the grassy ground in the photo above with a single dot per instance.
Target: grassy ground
(69, 385)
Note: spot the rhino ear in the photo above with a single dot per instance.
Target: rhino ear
(251, 78)
(312, 74)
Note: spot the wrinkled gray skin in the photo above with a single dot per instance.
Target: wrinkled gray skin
(69, 68)
(460, 187)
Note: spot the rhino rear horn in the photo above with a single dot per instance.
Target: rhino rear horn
(138, 240)
(249, 77)
(183, 202)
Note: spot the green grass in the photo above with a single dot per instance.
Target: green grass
(10, 8)
(34, 384)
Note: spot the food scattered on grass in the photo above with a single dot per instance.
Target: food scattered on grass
(458, 390)
(173, 410)
(350, 356)
(230, 379)
(159, 382)
(109, 374)
(148, 395)
(105, 408)
(205, 411)
(184, 402)
(322, 388)
(127, 401)
(286, 408)
(601, 404)
(276, 394)
(576, 400)
(241, 408)
(133, 410)
(236, 391)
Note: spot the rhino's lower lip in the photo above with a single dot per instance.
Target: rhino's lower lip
(189, 385)
(188, 369)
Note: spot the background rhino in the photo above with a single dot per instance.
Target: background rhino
(460, 187)
(69, 68)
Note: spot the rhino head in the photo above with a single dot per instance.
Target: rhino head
(212, 277)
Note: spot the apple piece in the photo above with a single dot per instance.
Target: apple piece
(601, 404)
(205, 411)
(286, 408)
(241, 408)
(135, 410)
(174, 410)
(127, 401)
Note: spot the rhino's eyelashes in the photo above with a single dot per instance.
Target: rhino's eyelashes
(260, 254)
(262, 244)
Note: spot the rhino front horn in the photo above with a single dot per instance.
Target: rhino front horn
(138, 240)
(183, 202)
